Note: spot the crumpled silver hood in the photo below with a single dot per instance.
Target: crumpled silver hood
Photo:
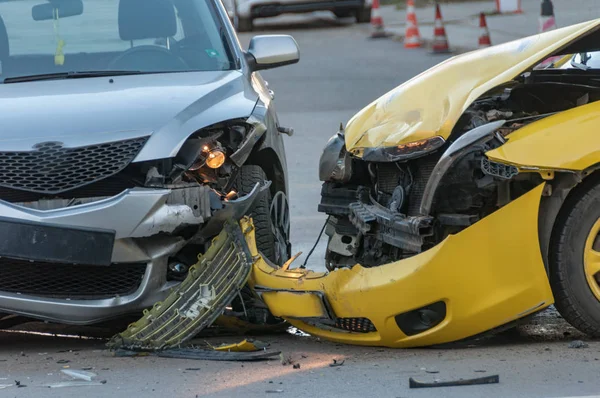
(80, 112)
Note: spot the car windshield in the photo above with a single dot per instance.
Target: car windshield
(62, 38)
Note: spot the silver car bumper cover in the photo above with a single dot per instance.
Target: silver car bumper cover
(135, 213)
(152, 289)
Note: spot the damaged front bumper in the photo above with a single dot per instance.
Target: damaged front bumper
(453, 291)
(144, 226)
(484, 277)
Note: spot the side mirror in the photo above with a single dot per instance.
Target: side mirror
(272, 51)
(61, 8)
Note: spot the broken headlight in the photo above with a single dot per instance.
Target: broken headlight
(335, 163)
(401, 152)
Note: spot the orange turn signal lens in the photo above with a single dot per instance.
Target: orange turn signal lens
(215, 159)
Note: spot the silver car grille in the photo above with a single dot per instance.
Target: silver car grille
(52, 169)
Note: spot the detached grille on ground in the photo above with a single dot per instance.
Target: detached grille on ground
(69, 281)
(52, 169)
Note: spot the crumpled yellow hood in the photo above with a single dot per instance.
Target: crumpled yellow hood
(431, 103)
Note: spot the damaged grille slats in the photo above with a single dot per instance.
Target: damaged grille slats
(178, 326)
(52, 169)
(211, 284)
(156, 333)
(69, 281)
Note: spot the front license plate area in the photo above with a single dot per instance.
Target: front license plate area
(27, 240)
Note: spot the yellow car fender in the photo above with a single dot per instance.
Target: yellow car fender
(569, 140)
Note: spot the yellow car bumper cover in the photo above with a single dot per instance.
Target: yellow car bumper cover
(488, 275)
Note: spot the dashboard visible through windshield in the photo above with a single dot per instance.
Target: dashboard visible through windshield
(67, 37)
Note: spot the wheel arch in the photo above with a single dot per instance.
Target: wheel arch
(268, 160)
(565, 187)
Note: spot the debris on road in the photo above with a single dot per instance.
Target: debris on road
(455, 383)
(76, 384)
(431, 370)
(335, 363)
(578, 344)
(285, 359)
(79, 374)
(19, 385)
(274, 391)
(244, 346)
(62, 361)
(210, 355)
(296, 366)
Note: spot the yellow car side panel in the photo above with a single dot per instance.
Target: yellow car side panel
(568, 140)
(431, 103)
(488, 275)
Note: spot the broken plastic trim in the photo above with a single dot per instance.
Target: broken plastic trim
(210, 286)
(257, 130)
(495, 379)
(233, 210)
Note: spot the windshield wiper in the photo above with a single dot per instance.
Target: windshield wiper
(580, 66)
(71, 75)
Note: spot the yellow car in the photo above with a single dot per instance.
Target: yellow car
(459, 202)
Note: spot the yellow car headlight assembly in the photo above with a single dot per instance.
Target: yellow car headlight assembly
(401, 152)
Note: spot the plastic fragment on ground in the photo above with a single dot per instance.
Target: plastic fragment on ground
(243, 346)
(455, 383)
(211, 355)
(79, 374)
(75, 384)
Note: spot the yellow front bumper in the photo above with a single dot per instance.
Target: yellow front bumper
(488, 275)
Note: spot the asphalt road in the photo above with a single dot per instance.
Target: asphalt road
(340, 72)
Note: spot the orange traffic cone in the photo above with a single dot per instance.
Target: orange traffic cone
(440, 41)
(412, 37)
(484, 36)
(378, 30)
(547, 19)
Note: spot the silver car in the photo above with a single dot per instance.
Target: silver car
(131, 130)
(244, 12)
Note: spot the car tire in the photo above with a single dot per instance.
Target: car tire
(575, 283)
(270, 242)
(363, 15)
(243, 24)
